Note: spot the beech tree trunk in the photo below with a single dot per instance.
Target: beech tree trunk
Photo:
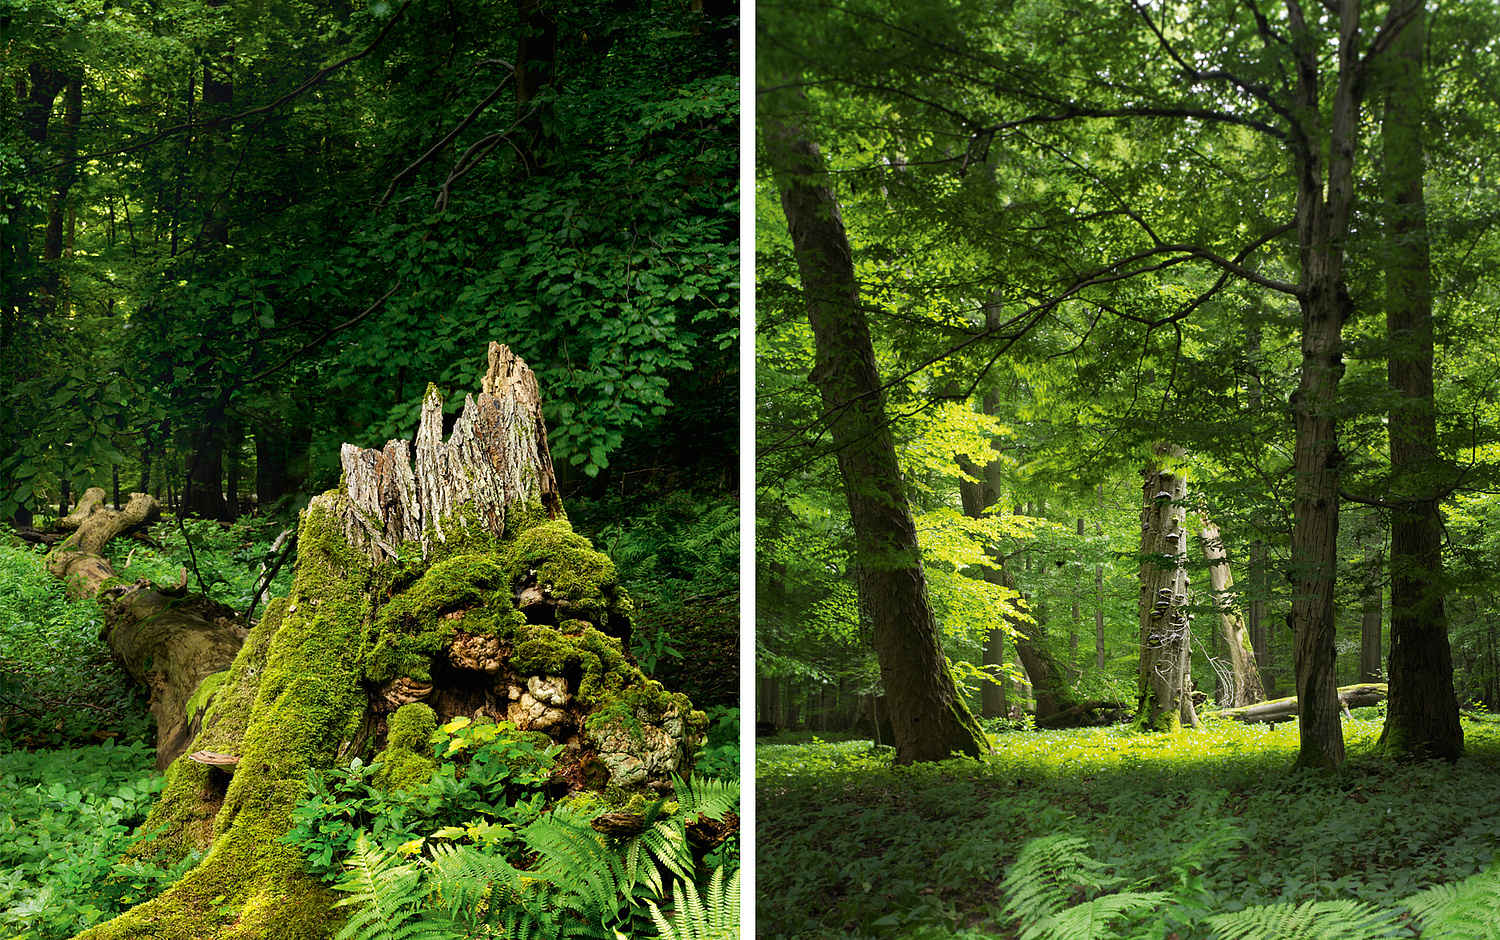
(1164, 681)
(454, 584)
(930, 720)
(1422, 717)
(1325, 204)
(1243, 671)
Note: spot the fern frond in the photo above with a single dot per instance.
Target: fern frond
(1093, 920)
(1042, 880)
(386, 897)
(590, 878)
(714, 917)
(483, 889)
(1464, 910)
(706, 796)
(1313, 920)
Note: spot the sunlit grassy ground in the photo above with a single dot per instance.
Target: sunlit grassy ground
(848, 846)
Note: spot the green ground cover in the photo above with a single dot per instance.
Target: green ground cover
(849, 846)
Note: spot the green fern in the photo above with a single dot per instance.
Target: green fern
(706, 796)
(1312, 920)
(713, 917)
(486, 891)
(590, 877)
(1047, 876)
(387, 897)
(1464, 910)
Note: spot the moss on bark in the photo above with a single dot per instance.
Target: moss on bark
(307, 705)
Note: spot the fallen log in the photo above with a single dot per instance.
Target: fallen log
(1092, 713)
(168, 640)
(1282, 709)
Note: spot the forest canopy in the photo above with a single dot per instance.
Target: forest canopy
(1244, 245)
(237, 234)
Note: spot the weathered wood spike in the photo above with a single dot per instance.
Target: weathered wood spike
(495, 461)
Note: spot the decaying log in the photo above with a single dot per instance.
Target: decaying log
(1281, 709)
(1086, 715)
(79, 559)
(168, 641)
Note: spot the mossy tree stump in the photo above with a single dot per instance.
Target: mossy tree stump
(452, 580)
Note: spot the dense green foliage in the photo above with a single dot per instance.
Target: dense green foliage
(1040, 198)
(864, 849)
(479, 844)
(67, 818)
(58, 682)
(237, 235)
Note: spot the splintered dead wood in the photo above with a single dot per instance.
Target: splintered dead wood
(494, 464)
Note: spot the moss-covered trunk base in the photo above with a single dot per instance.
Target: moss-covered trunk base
(488, 604)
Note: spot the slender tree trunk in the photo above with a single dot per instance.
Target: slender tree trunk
(536, 60)
(1077, 615)
(1371, 600)
(930, 719)
(1325, 203)
(1247, 689)
(1099, 592)
(1422, 715)
(65, 150)
(1164, 682)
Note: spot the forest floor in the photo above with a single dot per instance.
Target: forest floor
(1207, 834)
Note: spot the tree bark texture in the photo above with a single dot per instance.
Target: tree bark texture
(168, 640)
(1422, 717)
(1243, 670)
(930, 720)
(1164, 681)
(1325, 202)
(457, 584)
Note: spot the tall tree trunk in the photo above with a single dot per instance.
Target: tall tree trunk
(1372, 599)
(270, 461)
(1165, 678)
(1099, 592)
(536, 61)
(218, 102)
(1077, 614)
(65, 151)
(1422, 715)
(1246, 674)
(1325, 203)
(931, 721)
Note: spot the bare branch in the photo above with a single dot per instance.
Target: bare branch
(449, 137)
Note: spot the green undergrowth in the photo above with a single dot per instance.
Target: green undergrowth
(223, 560)
(677, 551)
(850, 846)
(59, 683)
(479, 846)
(67, 816)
